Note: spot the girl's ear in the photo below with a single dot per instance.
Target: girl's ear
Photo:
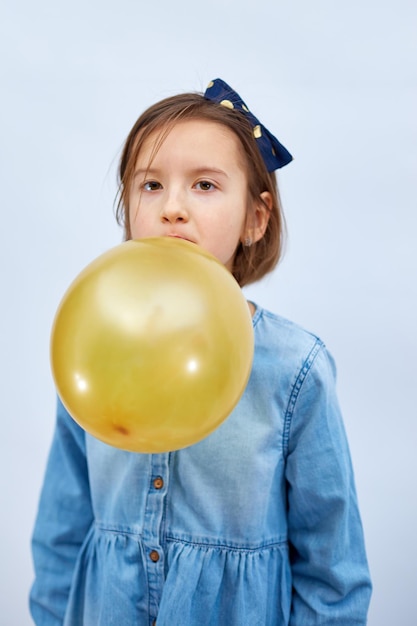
(258, 221)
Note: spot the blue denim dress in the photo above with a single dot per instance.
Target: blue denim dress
(256, 525)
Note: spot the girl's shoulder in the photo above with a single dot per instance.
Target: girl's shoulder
(287, 344)
(279, 328)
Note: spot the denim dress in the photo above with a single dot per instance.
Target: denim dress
(256, 525)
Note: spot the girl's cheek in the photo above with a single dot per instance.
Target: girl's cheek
(134, 218)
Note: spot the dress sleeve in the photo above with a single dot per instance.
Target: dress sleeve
(63, 520)
(330, 576)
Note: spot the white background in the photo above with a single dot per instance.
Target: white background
(336, 82)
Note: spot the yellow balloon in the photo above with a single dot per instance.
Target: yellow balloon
(152, 345)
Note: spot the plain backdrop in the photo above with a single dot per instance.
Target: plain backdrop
(336, 82)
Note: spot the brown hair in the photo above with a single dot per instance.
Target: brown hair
(251, 262)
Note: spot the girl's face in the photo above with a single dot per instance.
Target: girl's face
(194, 188)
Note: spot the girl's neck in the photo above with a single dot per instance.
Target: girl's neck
(252, 308)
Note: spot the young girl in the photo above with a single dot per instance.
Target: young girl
(257, 524)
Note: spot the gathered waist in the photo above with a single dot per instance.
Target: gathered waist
(196, 541)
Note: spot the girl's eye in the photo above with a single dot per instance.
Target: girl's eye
(205, 185)
(151, 185)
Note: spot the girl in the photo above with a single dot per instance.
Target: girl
(258, 524)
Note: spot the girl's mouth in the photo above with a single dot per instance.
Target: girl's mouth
(177, 236)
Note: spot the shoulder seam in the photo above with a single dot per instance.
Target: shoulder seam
(296, 391)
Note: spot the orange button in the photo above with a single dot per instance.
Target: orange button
(154, 556)
(158, 483)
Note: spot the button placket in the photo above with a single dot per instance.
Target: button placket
(153, 529)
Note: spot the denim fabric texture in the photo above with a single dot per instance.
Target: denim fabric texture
(256, 525)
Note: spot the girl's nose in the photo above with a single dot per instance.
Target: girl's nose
(174, 210)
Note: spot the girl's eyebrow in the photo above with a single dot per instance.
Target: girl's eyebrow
(141, 172)
(207, 169)
(198, 171)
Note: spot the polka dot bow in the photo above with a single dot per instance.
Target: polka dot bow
(273, 152)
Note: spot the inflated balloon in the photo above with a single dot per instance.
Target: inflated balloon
(152, 345)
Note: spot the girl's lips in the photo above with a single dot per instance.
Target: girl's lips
(176, 236)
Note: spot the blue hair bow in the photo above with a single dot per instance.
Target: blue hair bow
(274, 154)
